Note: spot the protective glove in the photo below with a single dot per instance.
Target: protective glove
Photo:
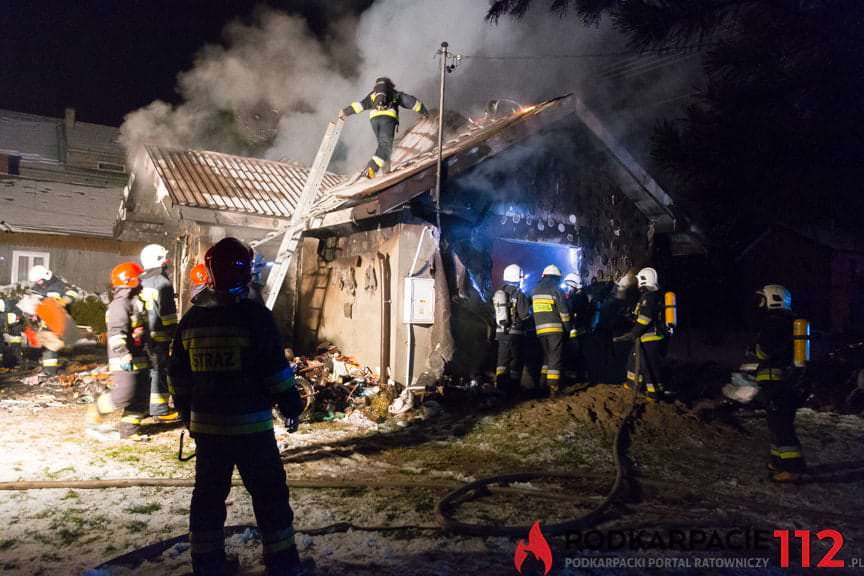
(623, 338)
(126, 363)
(292, 407)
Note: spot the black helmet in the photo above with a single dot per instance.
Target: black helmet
(383, 81)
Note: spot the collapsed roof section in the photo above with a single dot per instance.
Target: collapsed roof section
(474, 143)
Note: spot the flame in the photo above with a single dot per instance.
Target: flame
(537, 546)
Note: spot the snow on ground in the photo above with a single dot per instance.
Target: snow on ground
(687, 471)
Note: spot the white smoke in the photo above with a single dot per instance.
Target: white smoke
(276, 63)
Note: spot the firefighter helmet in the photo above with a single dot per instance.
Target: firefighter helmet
(39, 273)
(647, 278)
(513, 273)
(551, 270)
(573, 280)
(154, 256)
(229, 264)
(775, 296)
(198, 275)
(126, 275)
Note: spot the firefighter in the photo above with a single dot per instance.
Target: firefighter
(512, 311)
(552, 323)
(384, 101)
(648, 335)
(199, 279)
(773, 350)
(227, 369)
(128, 361)
(46, 285)
(11, 330)
(581, 317)
(158, 295)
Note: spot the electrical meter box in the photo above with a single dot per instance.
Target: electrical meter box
(419, 301)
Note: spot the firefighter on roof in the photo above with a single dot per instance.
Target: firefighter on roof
(774, 351)
(227, 370)
(648, 336)
(46, 285)
(552, 323)
(128, 363)
(512, 311)
(384, 102)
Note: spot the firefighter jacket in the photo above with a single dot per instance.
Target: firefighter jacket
(551, 315)
(649, 325)
(126, 320)
(390, 109)
(227, 369)
(581, 314)
(56, 288)
(158, 295)
(774, 349)
(518, 310)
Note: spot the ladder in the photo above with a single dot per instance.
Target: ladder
(298, 221)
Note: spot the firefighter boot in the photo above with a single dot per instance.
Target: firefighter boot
(172, 417)
(229, 565)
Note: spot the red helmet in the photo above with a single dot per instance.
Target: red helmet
(198, 275)
(229, 263)
(126, 275)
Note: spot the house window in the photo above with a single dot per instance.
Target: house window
(22, 262)
(111, 167)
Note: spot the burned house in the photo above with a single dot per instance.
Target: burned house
(372, 274)
(542, 185)
(62, 182)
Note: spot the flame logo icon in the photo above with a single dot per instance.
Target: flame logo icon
(537, 546)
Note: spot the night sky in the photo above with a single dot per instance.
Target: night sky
(108, 57)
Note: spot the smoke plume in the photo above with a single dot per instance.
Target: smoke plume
(271, 87)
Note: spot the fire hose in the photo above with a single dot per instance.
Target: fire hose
(447, 506)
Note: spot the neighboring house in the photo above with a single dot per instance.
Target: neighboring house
(544, 184)
(61, 183)
(824, 271)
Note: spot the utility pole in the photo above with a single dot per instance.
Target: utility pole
(443, 54)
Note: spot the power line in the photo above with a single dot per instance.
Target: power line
(585, 55)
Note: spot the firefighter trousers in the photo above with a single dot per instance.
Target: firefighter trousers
(257, 458)
(553, 351)
(50, 362)
(511, 359)
(782, 404)
(129, 393)
(384, 128)
(574, 359)
(159, 380)
(649, 378)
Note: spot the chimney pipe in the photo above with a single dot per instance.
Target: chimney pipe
(70, 118)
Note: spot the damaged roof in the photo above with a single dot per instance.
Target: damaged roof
(478, 140)
(215, 181)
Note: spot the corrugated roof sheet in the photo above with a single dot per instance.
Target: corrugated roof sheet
(215, 181)
(96, 138)
(57, 207)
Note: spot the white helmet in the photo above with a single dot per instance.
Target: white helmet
(513, 273)
(153, 256)
(647, 278)
(573, 280)
(38, 273)
(551, 270)
(775, 296)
